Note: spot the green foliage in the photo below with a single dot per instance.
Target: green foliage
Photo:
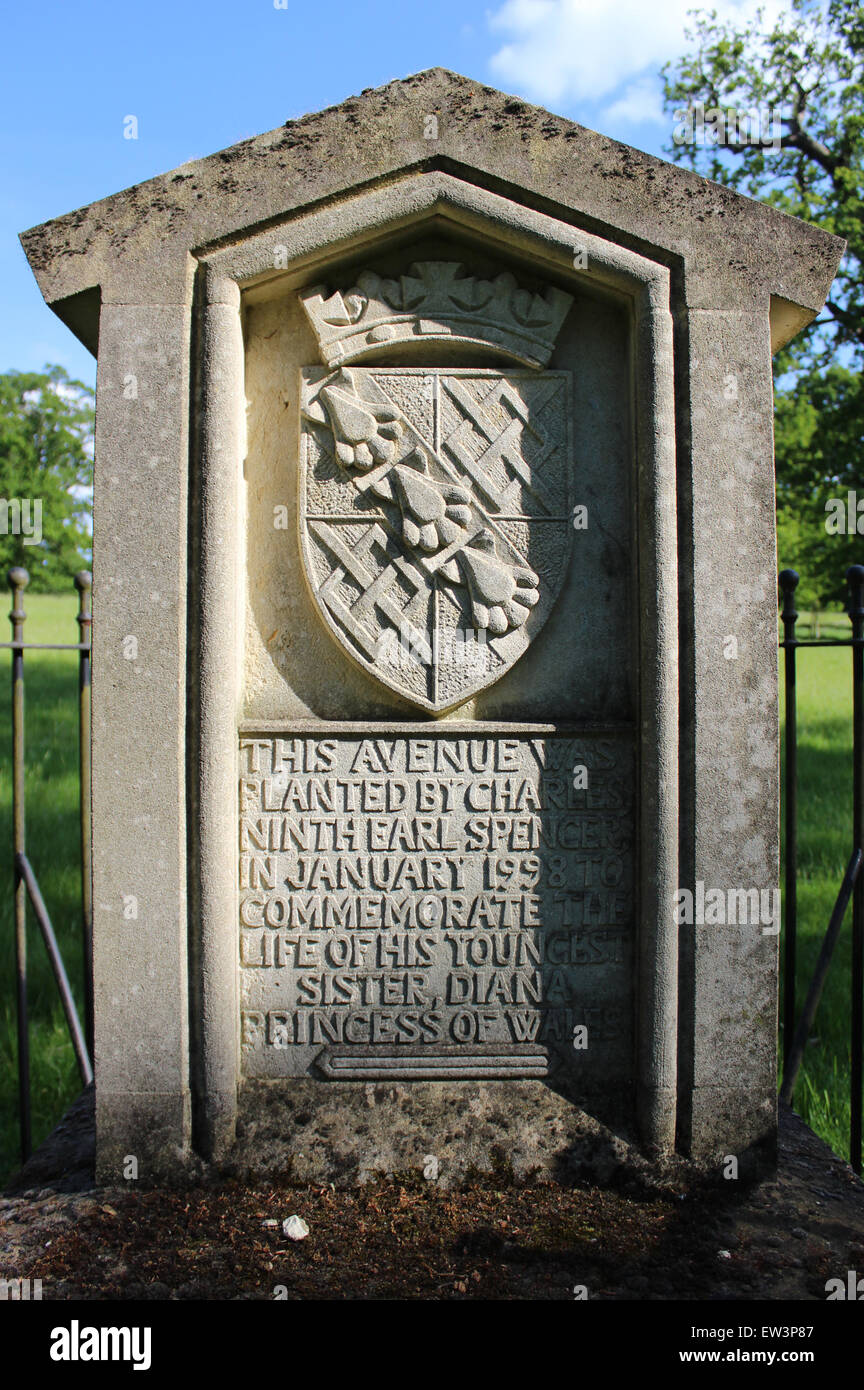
(809, 68)
(46, 458)
(818, 442)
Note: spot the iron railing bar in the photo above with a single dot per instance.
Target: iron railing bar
(795, 1056)
(84, 585)
(18, 581)
(823, 642)
(46, 646)
(25, 871)
(789, 616)
(855, 578)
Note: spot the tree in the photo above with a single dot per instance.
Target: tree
(46, 475)
(782, 119)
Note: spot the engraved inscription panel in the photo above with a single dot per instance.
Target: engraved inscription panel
(444, 905)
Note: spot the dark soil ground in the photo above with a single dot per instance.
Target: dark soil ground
(781, 1238)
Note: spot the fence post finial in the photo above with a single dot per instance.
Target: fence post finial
(788, 585)
(84, 584)
(855, 580)
(18, 579)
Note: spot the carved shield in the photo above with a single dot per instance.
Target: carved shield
(435, 518)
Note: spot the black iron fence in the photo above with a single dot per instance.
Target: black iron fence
(26, 886)
(796, 1028)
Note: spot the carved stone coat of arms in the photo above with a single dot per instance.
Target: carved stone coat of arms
(435, 508)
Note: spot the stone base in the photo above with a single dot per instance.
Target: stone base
(350, 1132)
(153, 1129)
(347, 1132)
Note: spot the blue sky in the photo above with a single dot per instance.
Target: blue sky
(202, 74)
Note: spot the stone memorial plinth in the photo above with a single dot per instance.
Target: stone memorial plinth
(435, 645)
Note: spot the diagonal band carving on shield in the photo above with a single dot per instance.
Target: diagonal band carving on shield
(435, 518)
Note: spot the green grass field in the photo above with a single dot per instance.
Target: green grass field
(825, 820)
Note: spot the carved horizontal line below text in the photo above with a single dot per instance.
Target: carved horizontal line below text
(478, 728)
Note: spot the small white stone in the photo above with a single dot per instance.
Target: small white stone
(723, 1255)
(295, 1228)
(271, 1224)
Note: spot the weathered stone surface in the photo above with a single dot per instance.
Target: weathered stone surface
(347, 1132)
(474, 588)
(139, 714)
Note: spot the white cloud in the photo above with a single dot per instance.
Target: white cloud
(641, 103)
(586, 49)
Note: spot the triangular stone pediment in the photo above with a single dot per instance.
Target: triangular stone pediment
(135, 245)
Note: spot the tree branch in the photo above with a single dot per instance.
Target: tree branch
(800, 139)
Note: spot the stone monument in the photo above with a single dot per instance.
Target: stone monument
(435, 642)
